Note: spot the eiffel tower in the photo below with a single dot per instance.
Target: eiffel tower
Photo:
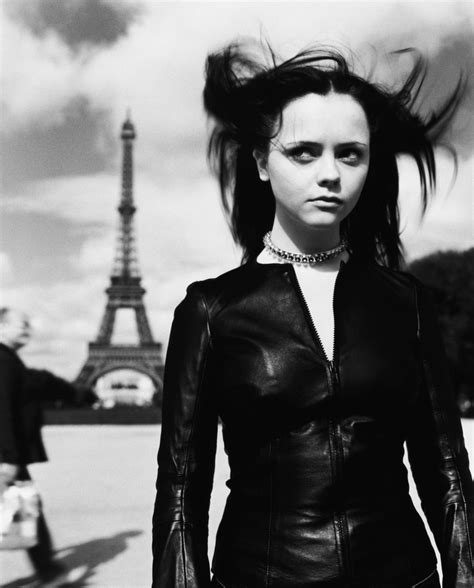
(106, 358)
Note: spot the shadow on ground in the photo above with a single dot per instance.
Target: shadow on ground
(85, 557)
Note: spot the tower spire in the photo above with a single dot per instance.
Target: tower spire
(126, 260)
(125, 291)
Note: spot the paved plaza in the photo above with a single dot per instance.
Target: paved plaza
(98, 492)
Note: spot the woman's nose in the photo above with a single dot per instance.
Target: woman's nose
(328, 171)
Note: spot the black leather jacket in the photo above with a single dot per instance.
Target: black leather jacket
(319, 493)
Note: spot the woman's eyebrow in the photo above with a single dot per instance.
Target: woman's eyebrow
(353, 143)
(316, 144)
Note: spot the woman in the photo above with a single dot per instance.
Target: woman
(320, 358)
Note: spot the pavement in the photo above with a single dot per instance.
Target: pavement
(98, 491)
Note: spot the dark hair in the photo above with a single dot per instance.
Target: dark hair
(246, 98)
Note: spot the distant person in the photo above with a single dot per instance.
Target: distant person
(22, 394)
(319, 356)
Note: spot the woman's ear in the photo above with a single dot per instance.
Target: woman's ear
(261, 161)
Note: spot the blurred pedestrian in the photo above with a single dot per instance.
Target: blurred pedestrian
(23, 392)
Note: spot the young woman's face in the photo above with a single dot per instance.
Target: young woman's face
(318, 162)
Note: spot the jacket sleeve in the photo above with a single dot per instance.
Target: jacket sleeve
(186, 455)
(10, 391)
(48, 387)
(438, 457)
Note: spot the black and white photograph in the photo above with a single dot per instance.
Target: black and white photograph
(236, 294)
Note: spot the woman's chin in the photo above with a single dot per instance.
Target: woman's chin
(322, 221)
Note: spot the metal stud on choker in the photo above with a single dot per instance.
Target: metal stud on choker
(308, 258)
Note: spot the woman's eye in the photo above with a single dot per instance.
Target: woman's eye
(350, 156)
(301, 155)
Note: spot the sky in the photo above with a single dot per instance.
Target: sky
(70, 69)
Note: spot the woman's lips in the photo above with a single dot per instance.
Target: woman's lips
(334, 199)
(327, 201)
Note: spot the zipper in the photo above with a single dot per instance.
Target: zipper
(335, 436)
(315, 333)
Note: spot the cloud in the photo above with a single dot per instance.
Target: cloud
(78, 23)
(80, 199)
(5, 268)
(156, 67)
(39, 77)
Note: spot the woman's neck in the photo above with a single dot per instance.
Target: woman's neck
(304, 239)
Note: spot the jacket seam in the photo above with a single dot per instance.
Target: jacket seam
(440, 418)
(180, 520)
(338, 535)
(218, 581)
(208, 320)
(420, 583)
(270, 521)
(432, 388)
(418, 319)
(183, 552)
(468, 538)
(186, 460)
(462, 503)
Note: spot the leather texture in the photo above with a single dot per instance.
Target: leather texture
(318, 488)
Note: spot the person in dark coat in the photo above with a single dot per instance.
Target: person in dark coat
(23, 392)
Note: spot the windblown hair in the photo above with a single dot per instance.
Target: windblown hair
(246, 96)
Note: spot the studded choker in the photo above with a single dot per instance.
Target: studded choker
(304, 258)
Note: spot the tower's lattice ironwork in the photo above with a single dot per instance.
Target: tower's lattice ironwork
(125, 291)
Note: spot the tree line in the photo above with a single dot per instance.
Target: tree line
(450, 276)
